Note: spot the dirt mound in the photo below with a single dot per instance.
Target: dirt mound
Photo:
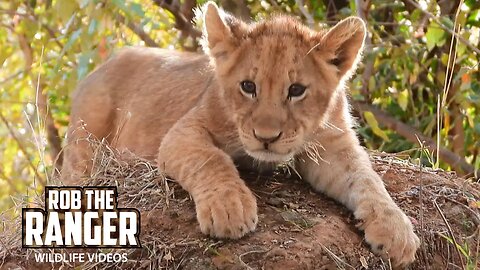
(298, 228)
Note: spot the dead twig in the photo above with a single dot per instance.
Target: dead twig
(478, 247)
(450, 232)
(250, 252)
(338, 261)
(420, 197)
(474, 215)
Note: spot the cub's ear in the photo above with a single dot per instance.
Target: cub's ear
(221, 32)
(345, 43)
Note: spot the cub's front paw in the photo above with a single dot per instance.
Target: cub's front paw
(227, 213)
(390, 233)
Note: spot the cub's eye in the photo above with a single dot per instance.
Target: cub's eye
(296, 90)
(249, 88)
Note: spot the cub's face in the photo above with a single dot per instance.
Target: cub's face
(277, 94)
(278, 77)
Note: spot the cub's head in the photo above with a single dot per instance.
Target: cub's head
(278, 76)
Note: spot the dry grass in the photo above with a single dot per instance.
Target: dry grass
(142, 186)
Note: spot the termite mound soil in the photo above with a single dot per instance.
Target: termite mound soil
(298, 228)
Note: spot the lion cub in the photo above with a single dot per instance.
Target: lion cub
(270, 91)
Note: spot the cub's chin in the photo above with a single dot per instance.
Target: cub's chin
(269, 156)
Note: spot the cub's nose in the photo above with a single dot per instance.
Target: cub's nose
(267, 138)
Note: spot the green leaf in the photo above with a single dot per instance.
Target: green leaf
(372, 122)
(435, 36)
(75, 35)
(371, 83)
(474, 18)
(83, 63)
(446, 22)
(137, 9)
(472, 3)
(403, 99)
(83, 3)
(122, 6)
(93, 26)
(463, 250)
(477, 128)
(65, 9)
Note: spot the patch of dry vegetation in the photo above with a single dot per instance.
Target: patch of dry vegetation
(298, 228)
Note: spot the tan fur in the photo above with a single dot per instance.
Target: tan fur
(187, 112)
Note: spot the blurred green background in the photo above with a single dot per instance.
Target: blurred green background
(416, 92)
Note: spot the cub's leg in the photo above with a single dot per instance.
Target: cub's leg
(225, 206)
(345, 174)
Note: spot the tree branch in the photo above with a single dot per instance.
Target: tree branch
(305, 13)
(187, 9)
(181, 23)
(22, 149)
(411, 134)
(30, 14)
(138, 31)
(441, 25)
